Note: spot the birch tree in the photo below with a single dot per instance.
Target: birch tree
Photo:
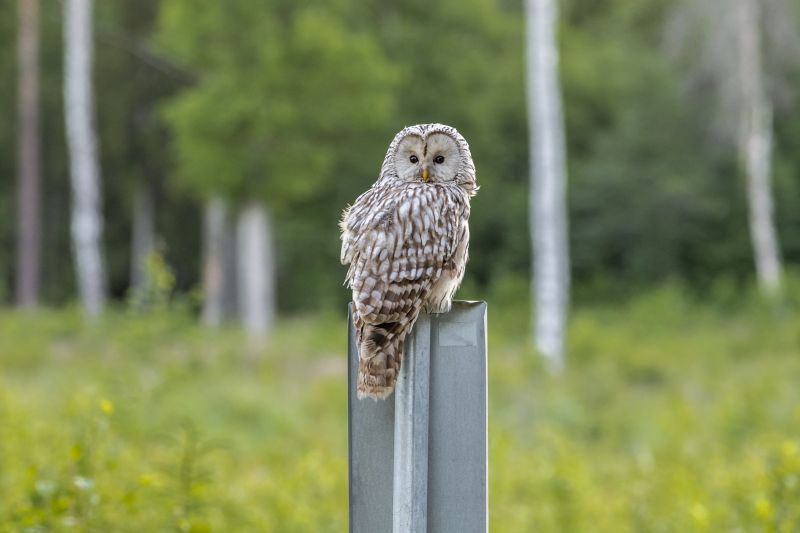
(143, 238)
(755, 143)
(29, 163)
(86, 219)
(547, 205)
(215, 223)
(255, 270)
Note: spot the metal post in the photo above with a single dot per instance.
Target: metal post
(418, 462)
(410, 491)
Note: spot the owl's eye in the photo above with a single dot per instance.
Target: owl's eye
(413, 159)
(439, 159)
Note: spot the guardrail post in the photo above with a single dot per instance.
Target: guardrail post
(418, 461)
(411, 406)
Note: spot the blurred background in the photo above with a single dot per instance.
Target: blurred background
(173, 320)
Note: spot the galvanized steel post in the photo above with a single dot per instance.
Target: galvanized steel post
(418, 462)
(411, 405)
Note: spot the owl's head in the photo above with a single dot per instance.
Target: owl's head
(430, 153)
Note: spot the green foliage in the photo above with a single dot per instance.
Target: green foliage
(282, 93)
(148, 423)
(294, 103)
(155, 292)
(650, 195)
(676, 415)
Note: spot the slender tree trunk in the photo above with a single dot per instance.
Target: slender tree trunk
(87, 222)
(230, 297)
(755, 145)
(548, 214)
(29, 235)
(256, 270)
(144, 232)
(215, 233)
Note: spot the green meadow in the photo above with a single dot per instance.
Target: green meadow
(676, 413)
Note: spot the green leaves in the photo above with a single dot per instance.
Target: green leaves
(285, 95)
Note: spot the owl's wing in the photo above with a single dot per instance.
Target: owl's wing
(397, 241)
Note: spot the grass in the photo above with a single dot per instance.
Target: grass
(673, 415)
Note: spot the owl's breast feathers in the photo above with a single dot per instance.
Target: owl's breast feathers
(398, 239)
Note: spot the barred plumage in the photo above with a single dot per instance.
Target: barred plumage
(406, 242)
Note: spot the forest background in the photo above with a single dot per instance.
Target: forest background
(235, 100)
(679, 389)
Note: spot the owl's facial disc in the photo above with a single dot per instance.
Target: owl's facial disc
(441, 157)
(408, 158)
(433, 159)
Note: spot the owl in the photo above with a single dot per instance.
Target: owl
(406, 242)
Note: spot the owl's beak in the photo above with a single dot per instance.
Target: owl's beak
(425, 175)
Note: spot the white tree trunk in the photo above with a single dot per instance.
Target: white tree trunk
(547, 205)
(230, 296)
(143, 240)
(256, 270)
(215, 222)
(87, 222)
(755, 145)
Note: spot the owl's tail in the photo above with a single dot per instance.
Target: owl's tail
(380, 351)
